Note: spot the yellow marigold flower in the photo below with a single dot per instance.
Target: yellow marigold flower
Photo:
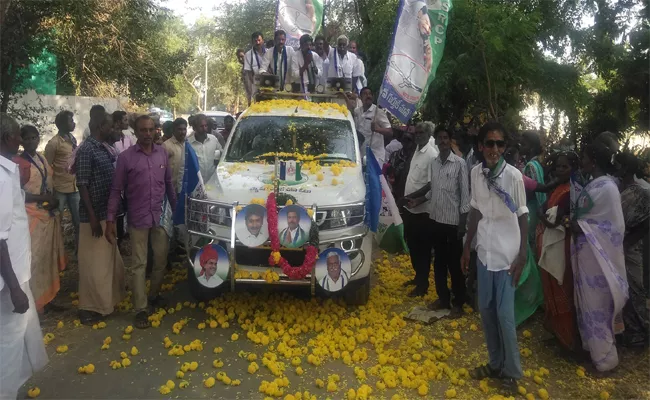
(164, 390)
(126, 362)
(33, 392)
(128, 329)
(183, 384)
(543, 394)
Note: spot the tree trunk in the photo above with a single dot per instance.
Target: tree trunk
(7, 86)
(4, 6)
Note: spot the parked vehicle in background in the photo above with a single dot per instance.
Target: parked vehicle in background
(217, 116)
(165, 116)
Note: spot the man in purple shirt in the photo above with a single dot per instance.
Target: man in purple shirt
(144, 174)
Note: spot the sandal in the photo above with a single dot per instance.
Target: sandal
(142, 320)
(484, 371)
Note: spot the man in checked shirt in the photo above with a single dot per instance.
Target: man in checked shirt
(448, 193)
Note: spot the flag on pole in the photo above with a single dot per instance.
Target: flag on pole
(192, 184)
(373, 190)
(297, 18)
(390, 232)
(382, 214)
(418, 44)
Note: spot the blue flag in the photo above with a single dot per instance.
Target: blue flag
(192, 184)
(373, 190)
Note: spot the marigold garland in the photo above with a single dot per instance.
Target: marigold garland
(276, 258)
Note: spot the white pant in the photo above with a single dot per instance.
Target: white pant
(22, 351)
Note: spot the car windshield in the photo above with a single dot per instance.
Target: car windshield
(259, 135)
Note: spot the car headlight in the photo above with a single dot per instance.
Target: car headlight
(344, 217)
(339, 218)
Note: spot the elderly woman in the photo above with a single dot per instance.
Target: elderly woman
(600, 282)
(48, 253)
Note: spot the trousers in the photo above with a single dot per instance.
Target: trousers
(418, 229)
(496, 303)
(448, 249)
(138, 268)
(72, 201)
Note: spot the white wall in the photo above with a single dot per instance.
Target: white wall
(40, 110)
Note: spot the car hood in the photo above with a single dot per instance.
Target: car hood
(243, 182)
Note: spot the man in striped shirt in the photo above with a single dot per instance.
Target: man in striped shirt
(448, 196)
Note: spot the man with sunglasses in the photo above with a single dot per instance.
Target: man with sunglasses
(499, 218)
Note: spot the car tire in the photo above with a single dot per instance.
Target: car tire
(358, 292)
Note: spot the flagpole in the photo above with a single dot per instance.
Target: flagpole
(323, 22)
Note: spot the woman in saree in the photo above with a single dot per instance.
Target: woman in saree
(600, 282)
(48, 253)
(635, 200)
(554, 254)
(531, 151)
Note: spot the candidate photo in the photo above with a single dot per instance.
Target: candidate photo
(333, 269)
(211, 265)
(293, 226)
(251, 227)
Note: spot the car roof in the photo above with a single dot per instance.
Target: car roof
(215, 113)
(297, 108)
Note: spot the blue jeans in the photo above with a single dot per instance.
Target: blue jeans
(72, 201)
(496, 303)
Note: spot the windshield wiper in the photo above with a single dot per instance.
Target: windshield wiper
(333, 158)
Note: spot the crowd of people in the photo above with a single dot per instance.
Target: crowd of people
(115, 183)
(311, 64)
(529, 228)
(514, 226)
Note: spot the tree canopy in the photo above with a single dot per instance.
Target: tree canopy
(584, 63)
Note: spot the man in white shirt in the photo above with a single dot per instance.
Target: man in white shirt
(372, 123)
(323, 50)
(336, 277)
(362, 81)
(205, 147)
(306, 65)
(253, 63)
(254, 219)
(343, 64)
(448, 195)
(277, 60)
(499, 216)
(417, 227)
(21, 341)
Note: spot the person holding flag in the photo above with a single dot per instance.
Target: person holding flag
(306, 65)
(277, 61)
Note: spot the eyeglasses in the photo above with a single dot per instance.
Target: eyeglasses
(491, 143)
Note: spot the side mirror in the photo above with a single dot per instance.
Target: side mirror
(364, 160)
(217, 156)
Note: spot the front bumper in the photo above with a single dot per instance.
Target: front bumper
(204, 228)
